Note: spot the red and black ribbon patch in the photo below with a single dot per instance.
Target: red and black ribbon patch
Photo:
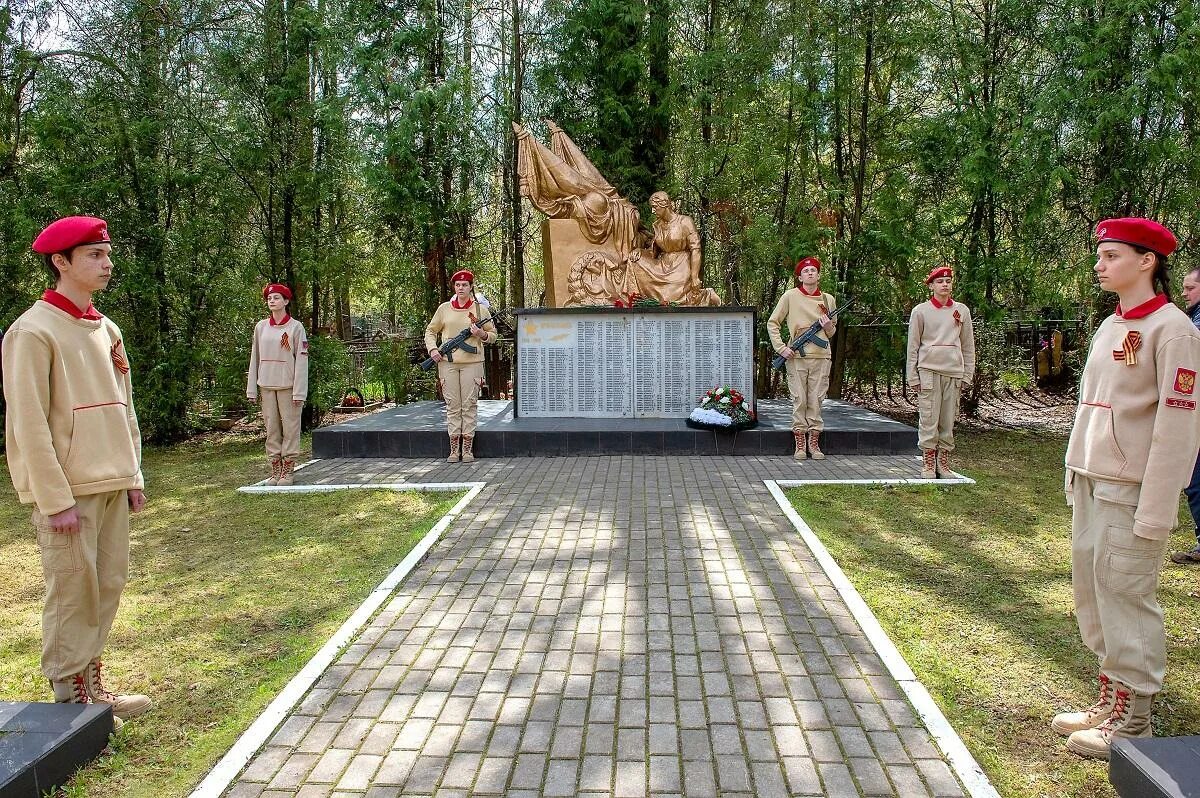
(118, 357)
(285, 343)
(1129, 348)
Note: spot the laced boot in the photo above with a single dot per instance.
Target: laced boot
(123, 706)
(929, 464)
(943, 465)
(276, 469)
(1067, 723)
(286, 469)
(454, 442)
(73, 690)
(1130, 717)
(814, 445)
(468, 448)
(801, 452)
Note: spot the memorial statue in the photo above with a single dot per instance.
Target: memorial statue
(606, 255)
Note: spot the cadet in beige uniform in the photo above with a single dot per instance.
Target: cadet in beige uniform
(279, 367)
(461, 378)
(1131, 452)
(807, 375)
(941, 360)
(75, 453)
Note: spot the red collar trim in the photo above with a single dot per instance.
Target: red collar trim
(67, 306)
(801, 287)
(454, 304)
(1144, 309)
(939, 305)
(286, 319)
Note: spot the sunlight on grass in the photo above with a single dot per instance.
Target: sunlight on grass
(229, 595)
(973, 583)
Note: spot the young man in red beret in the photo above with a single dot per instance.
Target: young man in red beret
(1131, 451)
(941, 360)
(807, 375)
(279, 368)
(74, 453)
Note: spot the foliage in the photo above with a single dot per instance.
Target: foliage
(329, 374)
(362, 151)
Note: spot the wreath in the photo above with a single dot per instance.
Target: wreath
(723, 409)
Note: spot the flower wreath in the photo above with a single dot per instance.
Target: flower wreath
(722, 409)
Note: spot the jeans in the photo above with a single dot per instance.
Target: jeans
(1192, 491)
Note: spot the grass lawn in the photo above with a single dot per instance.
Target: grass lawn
(973, 583)
(229, 595)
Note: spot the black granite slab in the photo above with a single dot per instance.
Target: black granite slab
(42, 745)
(1156, 767)
(419, 430)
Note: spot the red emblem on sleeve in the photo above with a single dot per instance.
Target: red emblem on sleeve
(1186, 404)
(118, 358)
(1185, 381)
(304, 347)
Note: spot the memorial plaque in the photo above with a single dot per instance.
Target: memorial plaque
(653, 363)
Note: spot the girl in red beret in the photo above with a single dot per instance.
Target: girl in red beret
(1131, 451)
(941, 360)
(460, 374)
(279, 369)
(807, 376)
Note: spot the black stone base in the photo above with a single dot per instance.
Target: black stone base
(419, 430)
(42, 745)
(1163, 767)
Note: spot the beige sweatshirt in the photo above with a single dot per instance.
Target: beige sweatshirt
(279, 359)
(941, 340)
(448, 321)
(70, 429)
(794, 313)
(1137, 424)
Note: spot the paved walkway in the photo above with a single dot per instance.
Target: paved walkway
(618, 626)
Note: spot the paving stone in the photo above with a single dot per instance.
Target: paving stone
(592, 628)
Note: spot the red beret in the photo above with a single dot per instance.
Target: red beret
(940, 271)
(808, 262)
(73, 231)
(1138, 232)
(462, 275)
(278, 288)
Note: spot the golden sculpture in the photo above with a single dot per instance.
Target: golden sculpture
(606, 255)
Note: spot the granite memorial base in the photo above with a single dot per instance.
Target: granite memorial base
(419, 430)
(42, 745)
(1156, 767)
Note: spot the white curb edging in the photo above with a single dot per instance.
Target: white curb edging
(230, 765)
(969, 772)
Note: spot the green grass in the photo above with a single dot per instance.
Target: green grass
(973, 583)
(229, 595)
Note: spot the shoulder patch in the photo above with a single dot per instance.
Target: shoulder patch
(1185, 381)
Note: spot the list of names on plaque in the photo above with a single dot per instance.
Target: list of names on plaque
(629, 364)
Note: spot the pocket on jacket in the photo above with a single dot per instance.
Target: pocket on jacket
(1094, 427)
(102, 448)
(1130, 564)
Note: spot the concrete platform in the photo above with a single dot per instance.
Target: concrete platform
(419, 430)
(42, 745)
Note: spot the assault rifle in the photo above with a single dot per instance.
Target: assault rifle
(810, 336)
(457, 342)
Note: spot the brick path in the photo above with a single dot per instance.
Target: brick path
(618, 626)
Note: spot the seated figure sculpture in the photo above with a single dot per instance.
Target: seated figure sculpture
(662, 264)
